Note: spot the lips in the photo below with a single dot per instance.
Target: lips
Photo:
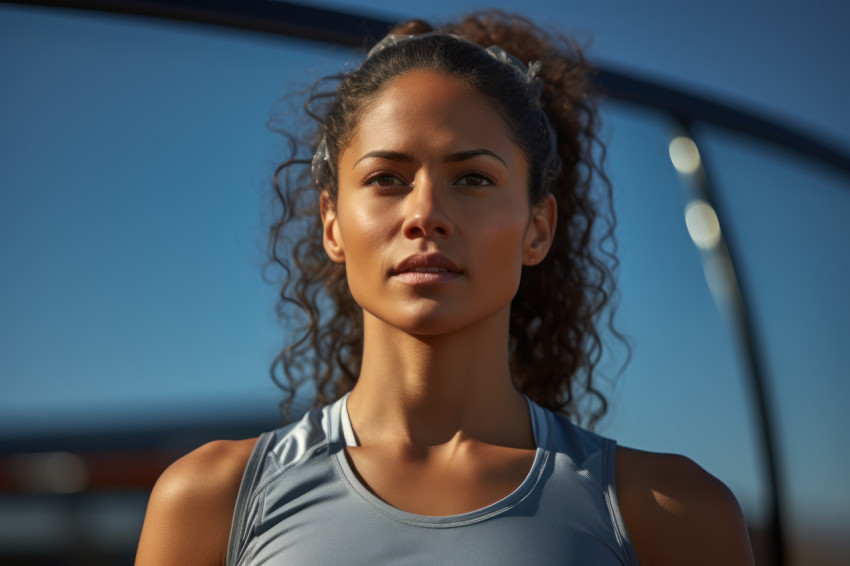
(426, 269)
(426, 263)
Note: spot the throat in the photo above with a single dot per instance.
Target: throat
(454, 477)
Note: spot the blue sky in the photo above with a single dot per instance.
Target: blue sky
(782, 57)
(134, 181)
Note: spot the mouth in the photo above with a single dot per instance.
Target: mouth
(426, 269)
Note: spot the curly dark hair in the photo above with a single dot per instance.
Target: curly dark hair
(555, 343)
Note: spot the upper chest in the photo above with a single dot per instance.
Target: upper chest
(442, 483)
(321, 514)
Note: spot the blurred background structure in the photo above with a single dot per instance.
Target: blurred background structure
(134, 173)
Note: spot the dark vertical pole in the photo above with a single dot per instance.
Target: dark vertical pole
(735, 304)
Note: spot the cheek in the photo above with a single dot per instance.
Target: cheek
(359, 220)
(508, 226)
(364, 230)
(500, 250)
(367, 235)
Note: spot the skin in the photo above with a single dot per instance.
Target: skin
(431, 172)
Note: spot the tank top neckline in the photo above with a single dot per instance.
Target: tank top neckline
(340, 434)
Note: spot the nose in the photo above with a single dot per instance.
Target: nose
(426, 215)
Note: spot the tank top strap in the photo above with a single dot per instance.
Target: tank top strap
(346, 430)
(250, 479)
(609, 471)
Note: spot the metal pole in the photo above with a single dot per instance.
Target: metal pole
(711, 234)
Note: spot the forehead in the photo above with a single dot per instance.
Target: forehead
(430, 108)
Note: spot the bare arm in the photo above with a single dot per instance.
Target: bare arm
(191, 507)
(677, 513)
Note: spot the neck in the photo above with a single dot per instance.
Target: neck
(428, 390)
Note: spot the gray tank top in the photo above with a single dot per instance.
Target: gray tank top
(300, 502)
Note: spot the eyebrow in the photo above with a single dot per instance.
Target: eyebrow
(464, 155)
(451, 158)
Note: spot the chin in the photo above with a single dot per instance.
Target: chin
(438, 320)
(425, 325)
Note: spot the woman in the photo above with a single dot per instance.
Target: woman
(449, 273)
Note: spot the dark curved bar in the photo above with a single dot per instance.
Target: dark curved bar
(361, 31)
(689, 107)
(266, 16)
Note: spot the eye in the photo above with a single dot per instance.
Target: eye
(384, 180)
(475, 179)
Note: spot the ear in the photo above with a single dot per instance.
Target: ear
(541, 230)
(331, 237)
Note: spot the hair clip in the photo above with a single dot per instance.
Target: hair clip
(529, 74)
(319, 159)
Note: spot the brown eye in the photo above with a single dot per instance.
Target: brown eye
(384, 180)
(475, 180)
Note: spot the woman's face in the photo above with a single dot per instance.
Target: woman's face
(432, 218)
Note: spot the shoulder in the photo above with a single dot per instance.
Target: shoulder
(191, 506)
(677, 513)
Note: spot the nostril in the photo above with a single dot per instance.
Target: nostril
(427, 229)
(426, 218)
